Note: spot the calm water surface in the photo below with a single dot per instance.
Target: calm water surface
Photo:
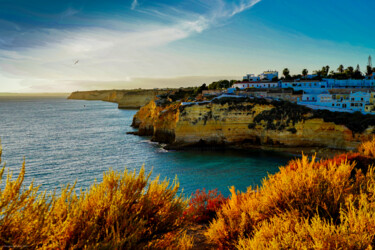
(67, 140)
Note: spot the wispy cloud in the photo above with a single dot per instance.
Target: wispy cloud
(69, 12)
(119, 54)
(242, 6)
(134, 4)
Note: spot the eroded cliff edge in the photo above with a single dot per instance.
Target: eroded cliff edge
(131, 99)
(243, 121)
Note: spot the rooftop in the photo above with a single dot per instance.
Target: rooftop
(302, 80)
(259, 82)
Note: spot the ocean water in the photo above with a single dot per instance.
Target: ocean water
(63, 141)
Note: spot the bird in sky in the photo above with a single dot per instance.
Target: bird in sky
(76, 62)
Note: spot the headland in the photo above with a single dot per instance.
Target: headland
(126, 99)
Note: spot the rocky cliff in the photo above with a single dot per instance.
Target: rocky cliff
(124, 98)
(239, 121)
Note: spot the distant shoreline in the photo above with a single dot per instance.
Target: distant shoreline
(35, 94)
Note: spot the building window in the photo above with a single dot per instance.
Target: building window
(361, 104)
(308, 98)
(351, 104)
(352, 99)
(361, 99)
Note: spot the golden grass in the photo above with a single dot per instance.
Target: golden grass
(125, 210)
(307, 204)
(368, 148)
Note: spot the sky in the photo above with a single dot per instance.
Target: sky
(64, 46)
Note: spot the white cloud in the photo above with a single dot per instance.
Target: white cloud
(244, 5)
(134, 4)
(69, 12)
(114, 55)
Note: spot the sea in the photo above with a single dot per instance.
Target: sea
(65, 141)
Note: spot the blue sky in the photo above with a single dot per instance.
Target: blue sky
(147, 44)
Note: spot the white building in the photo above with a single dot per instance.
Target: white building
(308, 86)
(251, 78)
(269, 75)
(265, 76)
(310, 97)
(353, 102)
(264, 85)
(350, 83)
(311, 76)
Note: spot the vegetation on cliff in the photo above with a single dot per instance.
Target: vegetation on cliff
(308, 204)
(286, 114)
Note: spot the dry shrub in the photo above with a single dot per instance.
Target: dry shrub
(304, 196)
(203, 205)
(368, 148)
(123, 211)
(22, 212)
(291, 231)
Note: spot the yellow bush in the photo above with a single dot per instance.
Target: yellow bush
(368, 148)
(22, 213)
(291, 231)
(123, 211)
(304, 194)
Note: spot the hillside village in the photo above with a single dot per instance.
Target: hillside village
(311, 90)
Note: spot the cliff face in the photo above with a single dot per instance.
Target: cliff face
(254, 122)
(124, 98)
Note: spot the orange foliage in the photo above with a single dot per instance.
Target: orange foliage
(203, 206)
(123, 211)
(302, 190)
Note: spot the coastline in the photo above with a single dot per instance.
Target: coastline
(252, 124)
(161, 121)
(320, 153)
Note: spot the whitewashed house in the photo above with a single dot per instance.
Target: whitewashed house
(263, 85)
(353, 102)
(311, 76)
(350, 83)
(251, 78)
(310, 97)
(269, 75)
(308, 86)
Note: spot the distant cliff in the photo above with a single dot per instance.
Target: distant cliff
(124, 98)
(240, 121)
